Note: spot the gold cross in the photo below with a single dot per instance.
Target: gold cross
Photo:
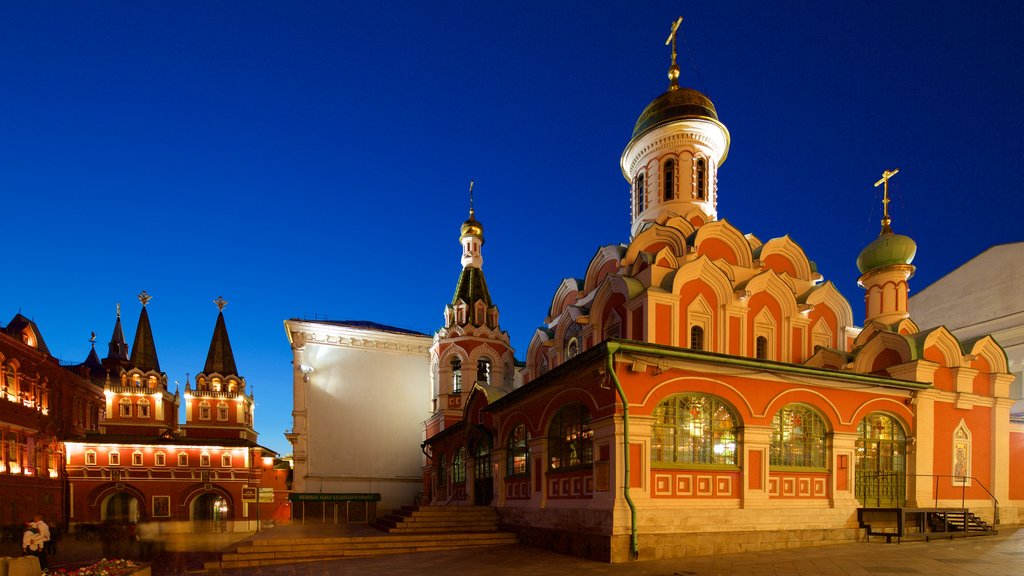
(673, 70)
(470, 198)
(144, 298)
(886, 175)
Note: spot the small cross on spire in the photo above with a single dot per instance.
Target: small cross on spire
(884, 182)
(673, 70)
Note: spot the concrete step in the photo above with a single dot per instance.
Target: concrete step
(271, 554)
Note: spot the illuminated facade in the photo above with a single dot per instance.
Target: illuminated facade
(699, 390)
(360, 393)
(142, 465)
(41, 405)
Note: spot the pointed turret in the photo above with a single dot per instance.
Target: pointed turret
(144, 347)
(220, 359)
(117, 348)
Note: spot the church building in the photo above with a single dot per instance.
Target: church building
(700, 390)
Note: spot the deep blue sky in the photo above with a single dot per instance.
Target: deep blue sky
(305, 158)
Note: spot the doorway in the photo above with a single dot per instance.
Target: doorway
(881, 479)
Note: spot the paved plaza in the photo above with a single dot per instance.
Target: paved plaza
(1001, 555)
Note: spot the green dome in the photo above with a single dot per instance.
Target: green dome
(674, 105)
(886, 250)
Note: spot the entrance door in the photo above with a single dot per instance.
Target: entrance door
(881, 480)
(121, 508)
(483, 481)
(210, 513)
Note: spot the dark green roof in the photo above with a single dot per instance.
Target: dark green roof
(471, 287)
(220, 359)
(144, 347)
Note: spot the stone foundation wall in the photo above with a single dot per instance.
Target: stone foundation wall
(658, 546)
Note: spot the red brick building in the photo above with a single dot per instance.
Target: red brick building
(41, 404)
(142, 465)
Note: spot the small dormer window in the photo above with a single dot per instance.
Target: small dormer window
(669, 185)
(702, 179)
(136, 380)
(215, 384)
(697, 338)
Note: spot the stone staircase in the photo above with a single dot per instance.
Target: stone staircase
(411, 529)
(439, 520)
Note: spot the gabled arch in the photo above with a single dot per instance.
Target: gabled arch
(679, 223)
(732, 238)
(605, 300)
(535, 351)
(666, 259)
(828, 295)
(990, 350)
(880, 344)
(779, 287)
(604, 262)
(708, 272)
(654, 239)
(946, 344)
(754, 241)
(567, 293)
(829, 358)
(566, 321)
(906, 326)
(785, 255)
(868, 332)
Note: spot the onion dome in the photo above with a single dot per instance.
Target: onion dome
(472, 227)
(675, 104)
(887, 250)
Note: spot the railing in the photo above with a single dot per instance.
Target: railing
(957, 479)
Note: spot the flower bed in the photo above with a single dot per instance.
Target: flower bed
(104, 567)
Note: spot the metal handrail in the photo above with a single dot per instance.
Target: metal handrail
(955, 477)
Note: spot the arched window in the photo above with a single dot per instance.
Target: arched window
(136, 380)
(572, 349)
(456, 375)
(697, 338)
(215, 384)
(570, 439)
(482, 463)
(761, 348)
(459, 466)
(638, 195)
(962, 456)
(483, 370)
(442, 478)
(11, 381)
(798, 438)
(694, 429)
(702, 179)
(125, 408)
(518, 451)
(669, 186)
(142, 409)
(881, 461)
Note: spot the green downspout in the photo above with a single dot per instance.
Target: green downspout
(634, 548)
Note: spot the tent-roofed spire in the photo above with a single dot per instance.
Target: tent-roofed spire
(144, 347)
(220, 359)
(117, 349)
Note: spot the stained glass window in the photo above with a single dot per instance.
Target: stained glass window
(570, 439)
(518, 451)
(798, 438)
(694, 429)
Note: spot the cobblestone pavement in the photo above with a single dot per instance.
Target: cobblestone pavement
(1001, 555)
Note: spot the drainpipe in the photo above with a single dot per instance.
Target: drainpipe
(634, 548)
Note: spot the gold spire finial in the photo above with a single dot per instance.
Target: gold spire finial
(470, 198)
(886, 175)
(221, 303)
(118, 309)
(144, 297)
(673, 70)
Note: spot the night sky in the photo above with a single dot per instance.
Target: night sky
(313, 158)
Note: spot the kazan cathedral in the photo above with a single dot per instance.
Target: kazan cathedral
(699, 390)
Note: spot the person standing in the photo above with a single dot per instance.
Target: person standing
(32, 544)
(44, 535)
